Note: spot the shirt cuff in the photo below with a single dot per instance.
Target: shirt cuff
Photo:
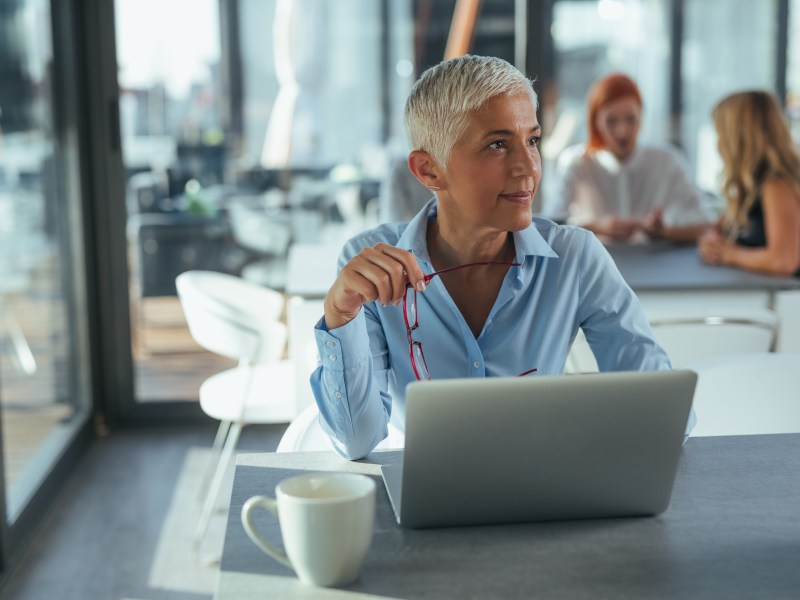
(344, 347)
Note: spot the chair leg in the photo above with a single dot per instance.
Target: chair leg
(213, 459)
(216, 483)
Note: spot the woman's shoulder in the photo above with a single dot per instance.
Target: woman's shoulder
(779, 186)
(388, 233)
(563, 238)
(577, 250)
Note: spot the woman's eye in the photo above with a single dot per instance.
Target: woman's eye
(498, 144)
(535, 140)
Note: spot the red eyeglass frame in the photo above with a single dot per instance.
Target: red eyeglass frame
(414, 345)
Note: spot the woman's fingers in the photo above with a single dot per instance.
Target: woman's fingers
(379, 273)
(409, 271)
(710, 247)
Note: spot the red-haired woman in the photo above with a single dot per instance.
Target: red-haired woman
(621, 190)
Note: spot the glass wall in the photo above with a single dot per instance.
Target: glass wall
(728, 45)
(174, 147)
(44, 377)
(245, 132)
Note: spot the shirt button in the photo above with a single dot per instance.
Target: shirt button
(338, 394)
(330, 344)
(476, 364)
(332, 357)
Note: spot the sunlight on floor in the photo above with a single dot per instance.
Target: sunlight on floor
(174, 567)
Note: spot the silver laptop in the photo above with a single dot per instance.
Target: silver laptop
(540, 448)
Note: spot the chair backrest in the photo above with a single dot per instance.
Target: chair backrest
(690, 336)
(302, 314)
(580, 358)
(304, 434)
(747, 394)
(256, 229)
(232, 317)
(787, 306)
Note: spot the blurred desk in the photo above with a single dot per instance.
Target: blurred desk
(668, 278)
(732, 531)
(660, 267)
(312, 269)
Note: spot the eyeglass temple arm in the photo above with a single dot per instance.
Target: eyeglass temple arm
(430, 276)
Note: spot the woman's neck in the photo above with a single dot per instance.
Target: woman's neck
(452, 248)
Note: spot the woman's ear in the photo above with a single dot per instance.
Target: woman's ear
(424, 168)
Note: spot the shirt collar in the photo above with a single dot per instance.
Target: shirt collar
(414, 237)
(528, 242)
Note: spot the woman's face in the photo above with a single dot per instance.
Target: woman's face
(618, 124)
(494, 168)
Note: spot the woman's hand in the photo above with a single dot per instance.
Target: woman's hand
(712, 245)
(380, 273)
(653, 224)
(617, 228)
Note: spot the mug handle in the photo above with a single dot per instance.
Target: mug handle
(259, 540)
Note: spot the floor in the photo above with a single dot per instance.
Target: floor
(121, 529)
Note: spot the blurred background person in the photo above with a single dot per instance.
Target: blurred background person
(619, 189)
(402, 195)
(760, 229)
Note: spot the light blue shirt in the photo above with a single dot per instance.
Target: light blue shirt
(566, 280)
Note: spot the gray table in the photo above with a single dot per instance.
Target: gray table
(663, 266)
(732, 531)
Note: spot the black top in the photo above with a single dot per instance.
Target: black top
(755, 234)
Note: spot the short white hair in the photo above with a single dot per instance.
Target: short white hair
(446, 95)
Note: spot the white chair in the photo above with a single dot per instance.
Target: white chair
(302, 314)
(238, 319)
(304, 434)
(580, 358)
(787, 306)
(690, 335)
(747, 394)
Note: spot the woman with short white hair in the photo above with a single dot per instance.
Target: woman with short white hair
(473, 286)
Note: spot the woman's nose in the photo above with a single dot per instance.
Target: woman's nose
(528, 163)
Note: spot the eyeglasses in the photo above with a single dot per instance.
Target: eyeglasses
(411, 317)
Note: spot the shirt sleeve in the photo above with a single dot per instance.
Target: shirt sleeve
(350, 384)
(614, 322)
(350, 392)
(612, 317)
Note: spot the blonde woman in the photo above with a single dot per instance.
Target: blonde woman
(760, 229)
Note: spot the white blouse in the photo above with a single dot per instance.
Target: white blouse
(591, 186)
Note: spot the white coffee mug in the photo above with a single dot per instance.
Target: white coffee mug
(326, 521)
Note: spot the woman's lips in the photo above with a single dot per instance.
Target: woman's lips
(518, 197)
